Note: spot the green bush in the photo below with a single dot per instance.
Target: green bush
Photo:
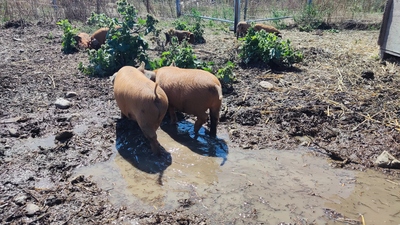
(263, 47)
(182, 55)
(279, 24)
(309, 19)
(68, 41)
(124, 46)
(99, 20)
(225, 74)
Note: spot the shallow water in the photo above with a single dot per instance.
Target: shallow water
(235, 186)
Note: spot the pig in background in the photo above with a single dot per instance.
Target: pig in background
(180, 34)
(141, 100)
(243, 26)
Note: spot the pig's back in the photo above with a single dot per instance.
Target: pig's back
(189, 90)
(135, 93)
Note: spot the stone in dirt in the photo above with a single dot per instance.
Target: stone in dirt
(64, 135)
(20, 199)
(62, 103)
(70, 94)
(31, 209)
(386, 160)
(13, 132)
(267, 85)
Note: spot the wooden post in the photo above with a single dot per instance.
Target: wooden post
(178, 8)
(237, 14)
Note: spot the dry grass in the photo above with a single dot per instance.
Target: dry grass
(44, 10)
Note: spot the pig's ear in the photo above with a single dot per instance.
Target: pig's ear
(141, 67)
(173, 64)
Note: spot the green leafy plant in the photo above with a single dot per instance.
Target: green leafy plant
(279, 23)
(99, 20)
(181, 24)
(225, 74)
(309, 19)
(68, 41)
(181, 54)
(124, 45)
(262, 47)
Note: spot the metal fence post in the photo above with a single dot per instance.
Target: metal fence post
(54, 3)
(245, 10)
(98, 6)
(237, 14)
(178, 8)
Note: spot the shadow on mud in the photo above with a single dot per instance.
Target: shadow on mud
(134, 148)
(201, 144)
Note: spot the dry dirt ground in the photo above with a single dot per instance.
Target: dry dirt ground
(341, 101)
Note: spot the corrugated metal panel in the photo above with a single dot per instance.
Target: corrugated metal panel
(389, 38)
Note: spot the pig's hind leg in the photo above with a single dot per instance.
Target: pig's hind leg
(214, 117)
(151, 135)
(201, 119)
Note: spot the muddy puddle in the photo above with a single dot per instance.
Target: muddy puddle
(235, 186)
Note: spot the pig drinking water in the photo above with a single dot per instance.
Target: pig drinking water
(141, 100)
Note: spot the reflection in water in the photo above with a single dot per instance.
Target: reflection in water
(134, 148)
(201, 143)
(265, 186)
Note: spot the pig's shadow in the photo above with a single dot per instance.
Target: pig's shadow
(202, 144)
(135, 148)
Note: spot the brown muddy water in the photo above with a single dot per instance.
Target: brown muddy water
(236, 186)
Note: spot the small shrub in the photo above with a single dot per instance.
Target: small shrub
(182, 55)
(124, 46)
(225, 74)
(68, 41)
(309, 19)
(267, 48)
(181, 25)
(279, 24)
(99, 20)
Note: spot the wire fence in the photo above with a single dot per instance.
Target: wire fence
(53, 10)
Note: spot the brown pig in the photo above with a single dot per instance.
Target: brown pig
(141, 100)
(98, 38)
(83, 40)
(180, 34)
(191, 91)
(267, 28)
(243, 26)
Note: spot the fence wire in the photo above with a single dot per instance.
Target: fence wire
(53, 10)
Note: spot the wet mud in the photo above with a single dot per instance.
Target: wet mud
(302, 152)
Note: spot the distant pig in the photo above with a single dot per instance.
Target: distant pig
(180, 34)
(99, 37)
(243, 26)
(83, 40)
(141, 100)
(191, 91)
(267, 28)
